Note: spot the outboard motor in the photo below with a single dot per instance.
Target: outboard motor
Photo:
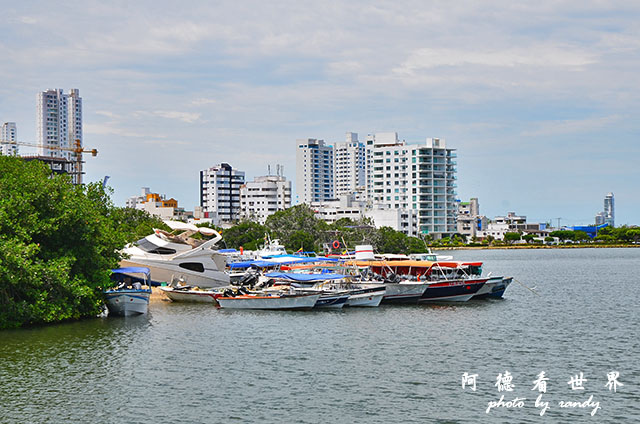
(392, 278)
(250, 278)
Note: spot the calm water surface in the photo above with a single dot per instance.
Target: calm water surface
(197, 364)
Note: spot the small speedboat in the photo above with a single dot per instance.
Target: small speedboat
(271, 300)
(131, 296)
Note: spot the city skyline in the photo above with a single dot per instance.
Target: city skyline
(538, 100)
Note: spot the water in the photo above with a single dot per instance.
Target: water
(396, 364)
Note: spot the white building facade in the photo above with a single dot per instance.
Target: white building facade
(416, 177)
(264, 196)
(220, 193)
(314, 171)
(349, 168)
(8, 135)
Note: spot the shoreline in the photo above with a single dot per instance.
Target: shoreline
(533, 246)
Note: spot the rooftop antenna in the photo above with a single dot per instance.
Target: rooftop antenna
(268, 169)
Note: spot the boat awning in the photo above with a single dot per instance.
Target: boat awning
(413, 264)
(131, 269)
(291, 276)
(288, 260)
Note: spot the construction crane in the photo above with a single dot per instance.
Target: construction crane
(76, 175)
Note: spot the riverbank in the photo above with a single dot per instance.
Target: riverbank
(538, 246)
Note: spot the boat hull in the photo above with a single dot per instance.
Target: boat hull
(494, 288)
(403, 292)
(452, 291)
(193, 296)
(166, 271)
(367, 297)
(303, 301)
(127, 302)
(331, 301)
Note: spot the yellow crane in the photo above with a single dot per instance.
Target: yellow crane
(76, 175)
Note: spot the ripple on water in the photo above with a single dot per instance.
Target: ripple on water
(195, 363)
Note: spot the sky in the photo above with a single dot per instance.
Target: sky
(540, 99)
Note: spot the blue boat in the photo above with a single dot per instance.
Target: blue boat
(131, 296)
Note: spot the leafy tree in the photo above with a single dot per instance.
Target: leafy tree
(284, 224)
(392, 241)
(528, 238)
(510, 237)
(249, 235)
(136, 223)
(57, 244)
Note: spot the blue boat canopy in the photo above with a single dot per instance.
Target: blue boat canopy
(127, 270)
(291, 276)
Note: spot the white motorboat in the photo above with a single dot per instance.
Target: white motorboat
(131, 297)
(170, 255)
(269, 301)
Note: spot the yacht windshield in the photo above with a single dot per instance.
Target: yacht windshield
(149, 247)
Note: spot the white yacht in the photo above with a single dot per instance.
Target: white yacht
(170, 256)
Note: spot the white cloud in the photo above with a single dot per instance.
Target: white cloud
(571, 126)
(188, 117)
(535, 56)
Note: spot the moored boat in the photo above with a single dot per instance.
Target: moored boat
(168, 255)
(268, 301)
(404, 291)
(459, 290)
(130, 297)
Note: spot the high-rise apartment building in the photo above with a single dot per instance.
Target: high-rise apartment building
(53, 124)
(349, 168)
(418, 177)
(9, 134)
(220, 193)
(59, 126)
(609, 210)
(264, 196)
(387, 174)
(314, 171)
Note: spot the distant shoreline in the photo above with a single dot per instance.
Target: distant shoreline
(533, 246)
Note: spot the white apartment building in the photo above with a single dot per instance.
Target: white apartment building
(59, 125)
(9, 133)
(349, 167)
(416, 177)
(314, 171)
(264, 196)
(345, 206)
(403, 219)
(220, 193)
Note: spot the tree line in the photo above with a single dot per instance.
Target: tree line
(58, 243)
